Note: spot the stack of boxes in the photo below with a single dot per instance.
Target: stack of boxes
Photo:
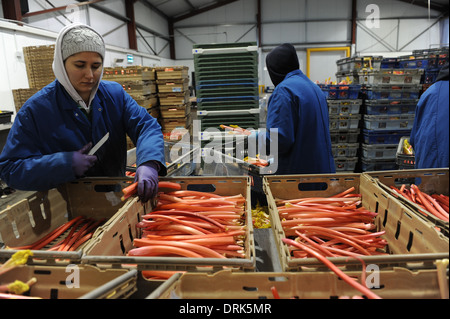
(38, 62)
(345, 106)
(391, 98)
(173, 93)
(226, 77)
(137, 81)
(430, 61)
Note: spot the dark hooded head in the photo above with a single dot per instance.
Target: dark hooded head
(280, 61)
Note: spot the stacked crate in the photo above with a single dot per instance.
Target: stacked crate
(345, 107)
(139, 82)
(22, 95)
(391, 98)
(226, 77)
(38, 63)
(173, 93)
(430, 61)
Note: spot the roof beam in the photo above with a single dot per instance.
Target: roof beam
(192, 13)
(424, 4)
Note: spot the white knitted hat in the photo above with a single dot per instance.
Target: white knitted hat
(81, 39)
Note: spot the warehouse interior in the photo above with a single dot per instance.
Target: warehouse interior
(180, 60)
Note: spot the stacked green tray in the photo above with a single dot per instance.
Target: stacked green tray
(231, 104)
(226, 76)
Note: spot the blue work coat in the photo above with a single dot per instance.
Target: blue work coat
(50, 127)
(430, 133)
(298, 108)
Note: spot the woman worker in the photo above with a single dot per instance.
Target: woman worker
(52, 133)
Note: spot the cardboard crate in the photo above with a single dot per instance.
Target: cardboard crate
(429, 181)
(139, 87)
(171, 72)
(132, 72)
(113, 240)
(408, 235)
(173, 98)
(175, 111)
(94, 283)
(398, 283)
(173, 85)
(39, 213)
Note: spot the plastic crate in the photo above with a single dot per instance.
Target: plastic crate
(405, 161)
(345, 136)
(358, 63)
(389, 63)
(234, 90)
(391, 76)
(370, 164)
(398, 283)
(430, 76)
(341, 91)
(383, 137)
(408, 235)
(383, 107)
(243, 118)
(389, 122)
(392, 91)
(344, 149)
(344, 107)
(348, 76)
(345, 164)
(5, 117)
(418, 62)
(344, 122)
(235, 104)
(229, 47)
(379, 151)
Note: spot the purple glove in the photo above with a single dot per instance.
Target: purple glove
(81, 162)
(147, 178)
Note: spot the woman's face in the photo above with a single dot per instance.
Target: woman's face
(84, 70)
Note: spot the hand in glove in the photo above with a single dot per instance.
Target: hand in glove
(147, 178)
(81, 162)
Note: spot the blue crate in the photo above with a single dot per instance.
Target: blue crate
(382, 107)
(341, 91)
(389, 63)
(417, 63)
(430, 76)
(384, 137)
(392, 91)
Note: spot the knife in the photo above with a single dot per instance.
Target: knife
(99, 144)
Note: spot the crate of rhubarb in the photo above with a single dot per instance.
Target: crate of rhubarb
(340, 217)
(195, 224)
(60, 222)
(424, 191)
